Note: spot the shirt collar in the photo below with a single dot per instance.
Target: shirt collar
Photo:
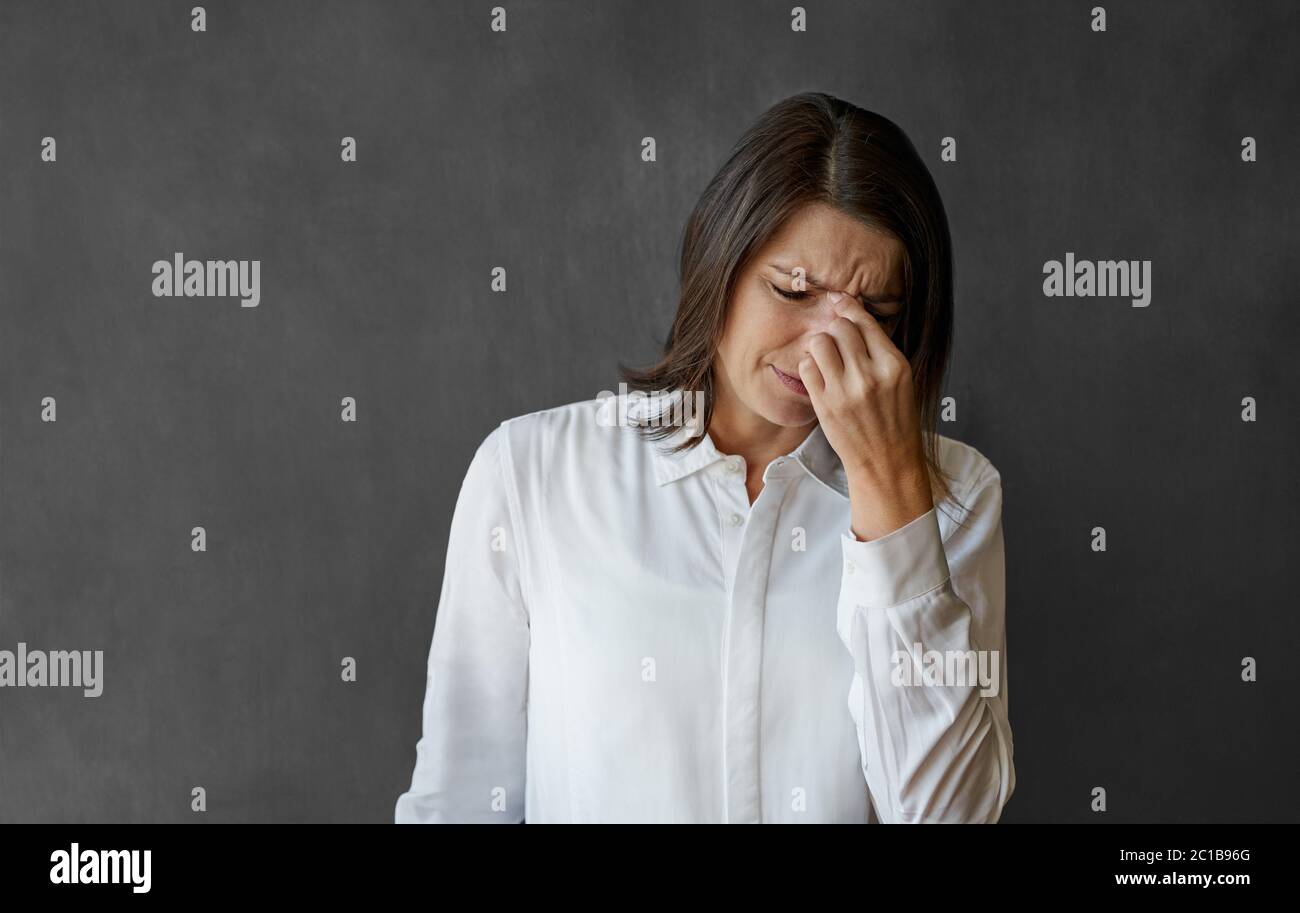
(814, 456)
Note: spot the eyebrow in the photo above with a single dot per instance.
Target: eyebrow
(869, 299)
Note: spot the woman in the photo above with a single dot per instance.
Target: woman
(639, 622)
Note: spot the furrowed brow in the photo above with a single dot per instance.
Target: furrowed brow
(883, 298)
(790, 272)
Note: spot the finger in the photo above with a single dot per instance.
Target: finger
(878, 344)
(826, 354)
(812, 378)
(853, 348)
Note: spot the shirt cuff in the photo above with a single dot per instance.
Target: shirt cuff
(896, 567)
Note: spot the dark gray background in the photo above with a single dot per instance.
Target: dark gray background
(522, 149)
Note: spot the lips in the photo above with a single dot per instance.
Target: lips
(791, 381)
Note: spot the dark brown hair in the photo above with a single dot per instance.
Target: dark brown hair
(809, 148)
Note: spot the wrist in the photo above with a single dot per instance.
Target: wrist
(911, 484)
(878, 508)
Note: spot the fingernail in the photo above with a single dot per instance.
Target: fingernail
(835, 297)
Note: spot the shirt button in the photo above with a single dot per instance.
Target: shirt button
(848, 566)
(737, 519)
(734, 465)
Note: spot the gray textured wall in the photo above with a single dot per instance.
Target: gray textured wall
(478, 149)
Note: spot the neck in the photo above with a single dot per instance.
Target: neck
(737, 429)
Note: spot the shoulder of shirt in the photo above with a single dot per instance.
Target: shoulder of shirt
(570, 430)
(966, 466)
(574, 417)
(579, 409)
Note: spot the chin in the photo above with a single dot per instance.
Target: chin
(788, 413)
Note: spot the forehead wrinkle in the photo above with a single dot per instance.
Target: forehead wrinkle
(870, 277)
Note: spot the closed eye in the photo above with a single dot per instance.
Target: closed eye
(800, 296)
(790, 296)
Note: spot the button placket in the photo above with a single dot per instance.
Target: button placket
(742, 656)
(732, 505)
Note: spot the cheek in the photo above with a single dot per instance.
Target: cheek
(761, 328)
(742, 330)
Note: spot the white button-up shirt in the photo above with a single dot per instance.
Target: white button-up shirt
(622, 637)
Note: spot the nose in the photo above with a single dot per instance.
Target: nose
(820, 314)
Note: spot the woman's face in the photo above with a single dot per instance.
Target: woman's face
(766, 333)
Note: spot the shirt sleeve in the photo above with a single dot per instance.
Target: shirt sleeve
(936, 741)
(471, 758)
